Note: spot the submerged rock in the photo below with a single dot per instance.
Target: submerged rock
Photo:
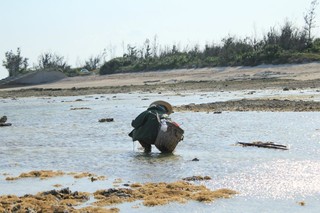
(196, 178)
(44, 174)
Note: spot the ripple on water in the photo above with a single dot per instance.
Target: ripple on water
(51, 136)
(278, 179)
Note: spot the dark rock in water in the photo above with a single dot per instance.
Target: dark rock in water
(106, 120)
(121, 192)
(5, 124)
(3, 119)
(195, 159)
(79, 108)
(93, 179)
(56, 192)
(196, 178)
(66, 193)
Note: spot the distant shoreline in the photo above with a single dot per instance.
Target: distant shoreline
(195, 86)
(277, 78)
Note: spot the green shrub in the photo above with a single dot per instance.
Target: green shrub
(114, 65)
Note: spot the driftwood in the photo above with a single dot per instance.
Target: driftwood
(270, 145)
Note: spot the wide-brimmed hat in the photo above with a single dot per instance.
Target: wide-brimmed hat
(165, 104)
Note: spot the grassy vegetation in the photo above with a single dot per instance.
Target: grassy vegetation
(287, 45)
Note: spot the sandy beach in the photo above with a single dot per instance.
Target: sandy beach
(296, 72)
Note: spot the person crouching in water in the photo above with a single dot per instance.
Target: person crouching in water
(146, 125)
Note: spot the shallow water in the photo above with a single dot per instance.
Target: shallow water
(47, 135)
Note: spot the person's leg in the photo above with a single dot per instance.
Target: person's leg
(146, 146)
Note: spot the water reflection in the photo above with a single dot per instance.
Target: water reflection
(155, 158)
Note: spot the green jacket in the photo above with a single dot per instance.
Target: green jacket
(146, 125)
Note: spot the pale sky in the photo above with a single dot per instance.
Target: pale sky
(79, 29)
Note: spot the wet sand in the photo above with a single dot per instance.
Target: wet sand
(266, 77)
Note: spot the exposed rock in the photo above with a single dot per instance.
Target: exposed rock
(106, 120)
(3, 119)
(272, 105)
(5, 124)
(196, 178)
(79, 108)
(154, 194)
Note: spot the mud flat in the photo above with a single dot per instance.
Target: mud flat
(288, 103)
(279, 77)
(200, 86)
(272, 105)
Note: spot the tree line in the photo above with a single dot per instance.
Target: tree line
(286, 44)
(17, 64)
